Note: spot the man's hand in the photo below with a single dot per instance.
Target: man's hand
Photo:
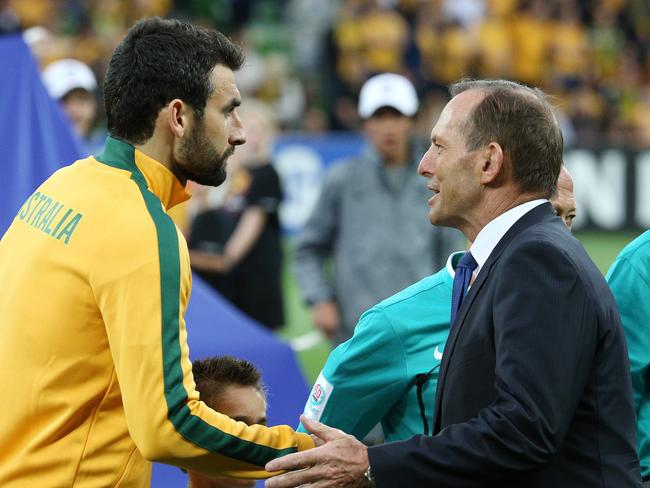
(326, 317)
(205, 261)
(341, 462)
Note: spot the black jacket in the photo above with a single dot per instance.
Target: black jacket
(534, 387)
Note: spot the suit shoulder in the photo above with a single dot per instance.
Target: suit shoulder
(562, 256)
(553, 239)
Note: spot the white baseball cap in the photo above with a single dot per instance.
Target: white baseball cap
(63, 76)
(388, 90)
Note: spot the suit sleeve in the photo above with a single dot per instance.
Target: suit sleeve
(630, 287)
(137, 283)
(361, 379)
(545, 340)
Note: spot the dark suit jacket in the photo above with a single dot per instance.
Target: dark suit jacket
(534, 387)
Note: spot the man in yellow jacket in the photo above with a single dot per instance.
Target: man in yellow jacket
(96, 378)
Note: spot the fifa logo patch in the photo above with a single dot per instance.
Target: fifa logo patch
(318, 398)
(317, 393)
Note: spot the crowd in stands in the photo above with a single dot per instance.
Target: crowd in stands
(308, 58)
(593, 56)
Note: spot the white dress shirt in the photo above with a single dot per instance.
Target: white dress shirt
(490, 235)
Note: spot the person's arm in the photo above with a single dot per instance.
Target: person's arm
(313, 246)
(543, 361)
(205, 261)
(142, 290)
(246, 233)
(630, 287)
(248, 230)
(262, 201)
(361, 379)
(326, 316)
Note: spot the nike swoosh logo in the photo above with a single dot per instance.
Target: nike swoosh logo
(437, 354)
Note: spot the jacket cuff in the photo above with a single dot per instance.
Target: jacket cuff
(304, 441)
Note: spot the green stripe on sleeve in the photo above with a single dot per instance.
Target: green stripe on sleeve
(121, 155)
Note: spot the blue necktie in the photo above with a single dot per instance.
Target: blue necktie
(462, 279)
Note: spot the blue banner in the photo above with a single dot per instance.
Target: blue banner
(35, 137)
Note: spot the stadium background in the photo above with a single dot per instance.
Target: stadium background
(308, 58)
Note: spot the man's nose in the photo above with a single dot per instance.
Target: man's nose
(425, 166)
(237, 133)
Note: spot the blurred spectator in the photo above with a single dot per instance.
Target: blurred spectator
(309, 21)
(73, 84)
(384, 35)
(466, 12)
(369, 218)
(494, 45)
(569, 45)
(236, 247)
(9, 22)
(531, 36)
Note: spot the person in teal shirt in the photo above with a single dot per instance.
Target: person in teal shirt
(372, 377)
(629, 280)
(387, 372)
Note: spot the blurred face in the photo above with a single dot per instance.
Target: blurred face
(204, 151)
(81, 106)
(245, 404)
(388, 131)
(564, 203)
(453, 171)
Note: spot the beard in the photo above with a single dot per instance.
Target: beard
(200, 161)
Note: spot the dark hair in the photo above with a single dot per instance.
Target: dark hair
(157, 61)
(213, 375)
(521, 120)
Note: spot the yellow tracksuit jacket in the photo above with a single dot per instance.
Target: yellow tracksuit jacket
(95, 371)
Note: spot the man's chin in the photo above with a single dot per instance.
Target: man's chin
(435, 218)
(214, 179)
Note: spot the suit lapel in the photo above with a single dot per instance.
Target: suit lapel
(453, 337)
(534, 216)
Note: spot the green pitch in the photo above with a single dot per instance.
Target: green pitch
(313, 350)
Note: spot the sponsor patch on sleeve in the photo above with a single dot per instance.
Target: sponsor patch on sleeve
(318, 397)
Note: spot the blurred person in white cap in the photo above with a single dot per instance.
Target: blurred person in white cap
(369, 218)
(73, 84)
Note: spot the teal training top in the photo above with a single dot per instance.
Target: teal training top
(629, 279)
(371, 377)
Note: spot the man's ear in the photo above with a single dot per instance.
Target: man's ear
(177, 115)
(492, 166)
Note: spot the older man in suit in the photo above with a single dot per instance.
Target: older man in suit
(534, 386)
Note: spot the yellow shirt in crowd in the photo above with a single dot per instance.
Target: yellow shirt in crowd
(96, 377)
